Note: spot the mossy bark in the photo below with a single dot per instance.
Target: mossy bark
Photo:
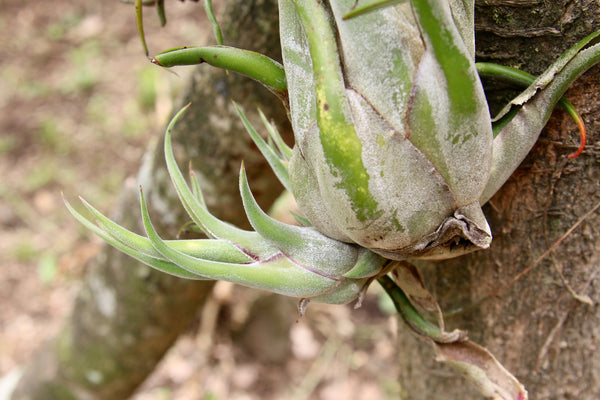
(126, 316)
(519, 309)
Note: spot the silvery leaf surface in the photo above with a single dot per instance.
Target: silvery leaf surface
(421, 133)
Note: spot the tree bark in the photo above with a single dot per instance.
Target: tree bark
(517, 307)
(126, 315)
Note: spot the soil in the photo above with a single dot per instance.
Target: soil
(79, 105)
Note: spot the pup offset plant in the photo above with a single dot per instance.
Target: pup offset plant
(395, 153)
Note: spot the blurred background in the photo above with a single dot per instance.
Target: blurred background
(79, 107)
(79, 104)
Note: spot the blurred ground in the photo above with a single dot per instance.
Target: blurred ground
(79, 105)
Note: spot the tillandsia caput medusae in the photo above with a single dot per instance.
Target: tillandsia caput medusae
(395, 151)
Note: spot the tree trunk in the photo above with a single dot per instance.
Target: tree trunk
(126, 315)
(517, 307)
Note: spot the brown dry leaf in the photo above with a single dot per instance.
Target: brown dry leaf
(482, 369)
(409, 279)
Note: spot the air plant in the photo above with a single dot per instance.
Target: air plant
(395, 153)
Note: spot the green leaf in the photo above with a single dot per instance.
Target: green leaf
(196, 190)
(160, 10)
(213, 21)
(208, 249)
(517, 137)
(523, 78)
(411, 316)
(450, 52)
(156, 263)
(305, 245)
(340, 143)
(449, 118)
(139, 20)
(252, 64)
(368, 264)
(276, 274)
(276, 163)
(551, 72)
(285, 151)
(369, 6)
(251, 242)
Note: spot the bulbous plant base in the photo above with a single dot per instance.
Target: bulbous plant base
(464, 232)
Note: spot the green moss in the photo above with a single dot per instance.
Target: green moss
(89, 365)
(56, 391)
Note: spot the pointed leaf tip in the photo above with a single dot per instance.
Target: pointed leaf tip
(275, 161)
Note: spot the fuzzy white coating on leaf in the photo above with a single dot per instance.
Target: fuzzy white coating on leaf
(303, 245)
(414, 197)
(298, 70)
(463, 13)
(424, 160)
(381, 51)
(460, 146)
(310, 200)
